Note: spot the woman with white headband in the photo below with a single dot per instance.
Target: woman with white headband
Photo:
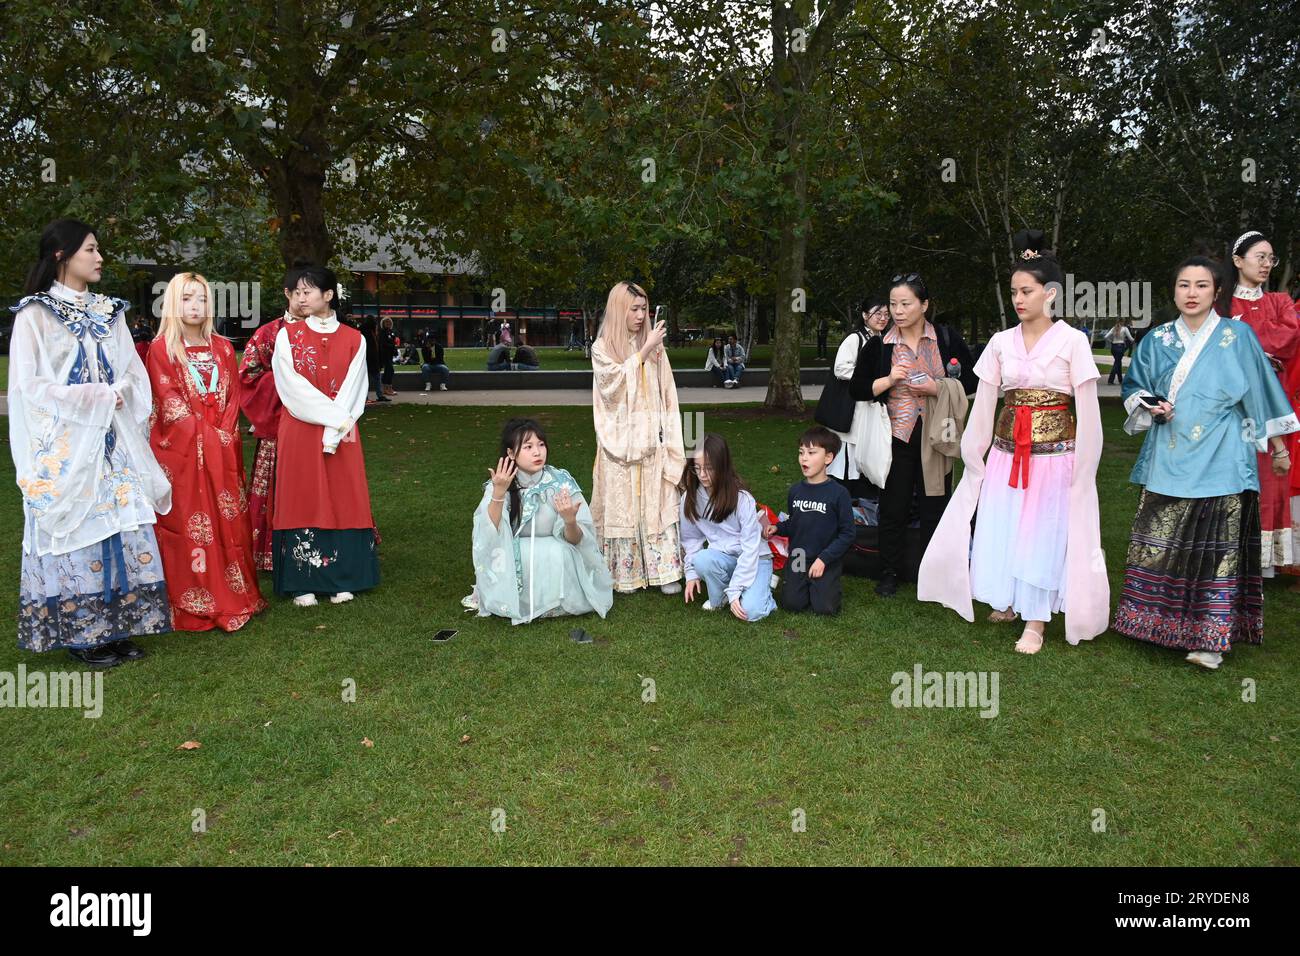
(1272, 317)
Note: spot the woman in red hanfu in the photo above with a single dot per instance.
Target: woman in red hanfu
(1272, 317)
(206, 540)
(262, 406)
(324, 538)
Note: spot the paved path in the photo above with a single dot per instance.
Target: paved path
(537, 398)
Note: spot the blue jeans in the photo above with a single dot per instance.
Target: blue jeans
(715, 569)
(525, 367)
(428, 371)
(734, 372)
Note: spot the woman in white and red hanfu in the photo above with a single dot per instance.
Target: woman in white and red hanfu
(1272, 317)
(323, 541)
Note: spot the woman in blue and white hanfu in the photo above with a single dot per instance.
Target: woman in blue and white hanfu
(1205, 393)
(535, 548)
(79, 407)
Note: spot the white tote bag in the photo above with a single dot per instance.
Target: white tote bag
(871, 436)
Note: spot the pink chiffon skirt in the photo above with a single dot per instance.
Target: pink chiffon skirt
(1018, 548)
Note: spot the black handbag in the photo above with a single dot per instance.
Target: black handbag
(836, 406)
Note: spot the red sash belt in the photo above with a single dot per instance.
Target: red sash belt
(1024, 438)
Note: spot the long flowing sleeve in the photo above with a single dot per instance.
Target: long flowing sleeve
(671, 425)
(1268, 411)
(1087, 587)
(56, 434)
(304, 400)
(130, 378)
(493, 552)
(258, 397)
(751, 546)
(623, 425)
(351, 398)
(944, 575)
(594, 578)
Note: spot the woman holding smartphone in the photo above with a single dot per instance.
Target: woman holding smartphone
(901, 368)
(1204, 391)
(639, 454)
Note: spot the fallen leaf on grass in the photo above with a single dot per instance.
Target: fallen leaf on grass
(367, 742)
(190, 745)
(654, 749)
(465, 739)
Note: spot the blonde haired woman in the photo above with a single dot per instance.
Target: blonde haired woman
(639, 454)
(206, 540)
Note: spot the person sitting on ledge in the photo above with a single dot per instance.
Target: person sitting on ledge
(525, 357)
(498, 359)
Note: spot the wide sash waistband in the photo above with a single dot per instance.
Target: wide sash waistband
(1033, 417)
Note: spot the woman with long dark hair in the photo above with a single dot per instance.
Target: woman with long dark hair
(536, 553)
(735, 569)
(79, 407)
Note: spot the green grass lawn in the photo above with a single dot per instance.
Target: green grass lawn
(751, 722)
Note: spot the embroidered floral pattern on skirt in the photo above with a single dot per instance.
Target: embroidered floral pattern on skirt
(62, 601)
(1193, 576)
(634, 567)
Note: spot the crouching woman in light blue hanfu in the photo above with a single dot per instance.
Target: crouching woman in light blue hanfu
(536, 553)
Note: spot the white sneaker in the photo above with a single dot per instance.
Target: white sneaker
(305, 600)
(428, 387)
(673, 588)
(341, 598)
(1207, 659)
(708, 606)
(442, 387)
(470, 600)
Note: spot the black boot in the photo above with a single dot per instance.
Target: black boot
(888, 585)
(126, 650)
(98, 658)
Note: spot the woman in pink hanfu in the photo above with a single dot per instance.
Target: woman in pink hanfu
(1037, 540)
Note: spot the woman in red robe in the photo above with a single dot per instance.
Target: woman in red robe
(262, 406)
(324, 539)
(206, 539)
(1272, 317)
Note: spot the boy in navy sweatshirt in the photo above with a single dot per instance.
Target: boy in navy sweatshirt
(819, 526)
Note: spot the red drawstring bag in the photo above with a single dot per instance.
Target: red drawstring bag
(779, 544)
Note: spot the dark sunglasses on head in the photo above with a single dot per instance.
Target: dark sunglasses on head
(910, 277)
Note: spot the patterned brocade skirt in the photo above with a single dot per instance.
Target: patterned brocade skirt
(104, 592)
(1192, 579)
(646, 561)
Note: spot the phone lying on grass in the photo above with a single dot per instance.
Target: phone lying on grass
(446, 634)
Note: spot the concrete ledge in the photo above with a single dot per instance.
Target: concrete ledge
(410, 381)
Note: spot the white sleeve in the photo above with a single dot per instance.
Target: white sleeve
(303, 400)
(131, 378)
(351, 398)
(1139, 417)
(846, 358)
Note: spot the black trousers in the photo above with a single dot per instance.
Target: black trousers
(896, 503)
(1118, 367)
(800, 592)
